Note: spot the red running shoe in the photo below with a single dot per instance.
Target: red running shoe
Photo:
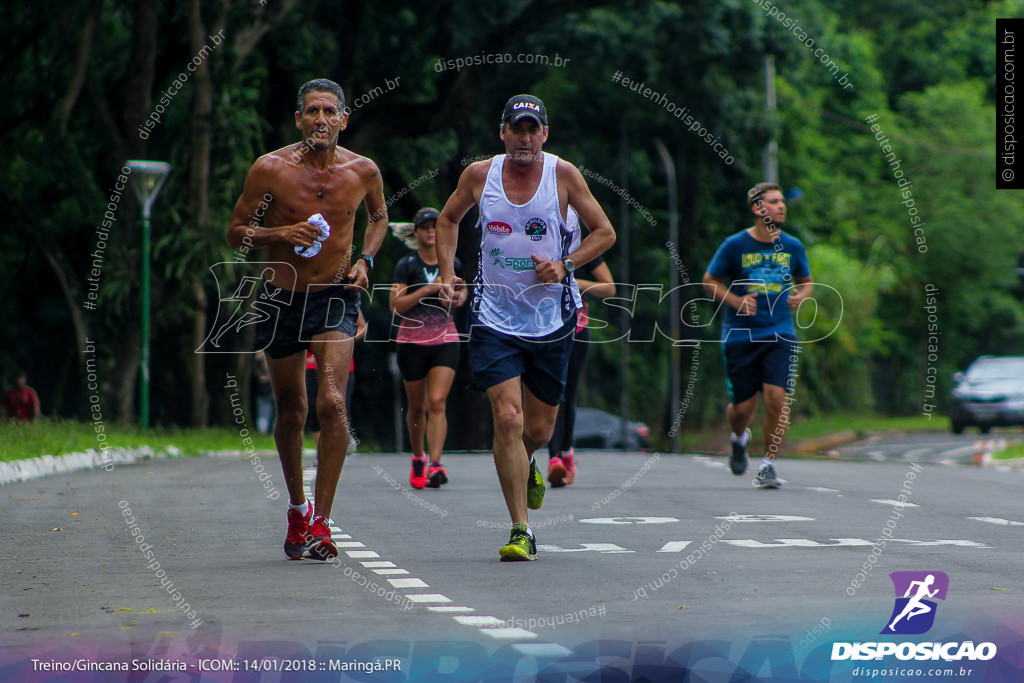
(557, 472)
(321, 547)
(569, 460)
(418, 475)
(298, 533)
(436, 475)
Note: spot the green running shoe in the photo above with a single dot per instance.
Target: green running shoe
(521, 547)
(535, 488)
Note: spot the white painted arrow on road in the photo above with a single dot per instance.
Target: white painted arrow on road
(766, 518)
(587, 547)
(629, 520)
(797, 543)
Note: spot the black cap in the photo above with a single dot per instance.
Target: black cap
(423, 215)
(521, 106)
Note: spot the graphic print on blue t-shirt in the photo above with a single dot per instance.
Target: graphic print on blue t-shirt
(767, 268)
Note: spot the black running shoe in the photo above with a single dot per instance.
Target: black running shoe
(738, 459)
(437, 475)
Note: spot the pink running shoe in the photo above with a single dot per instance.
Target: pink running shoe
(298, 533)
(321, 547)
(569, 460)
(418, 475)
(557, 472)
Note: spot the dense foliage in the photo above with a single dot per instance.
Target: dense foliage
(83, 81)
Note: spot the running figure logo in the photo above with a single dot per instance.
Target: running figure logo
(245, 306)
(913, 613)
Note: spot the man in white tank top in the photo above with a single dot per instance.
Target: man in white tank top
(524, 303)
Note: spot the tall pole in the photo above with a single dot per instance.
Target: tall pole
(770, 156)
(146, 180)
(396, 400)
(623, 232)
(144, 374)
(673, 280)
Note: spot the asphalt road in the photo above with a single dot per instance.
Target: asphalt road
(648, 563)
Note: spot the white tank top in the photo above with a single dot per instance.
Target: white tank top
(508, 295)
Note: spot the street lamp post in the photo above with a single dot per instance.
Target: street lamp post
(147, 178)
(770, 155)
(673, 279)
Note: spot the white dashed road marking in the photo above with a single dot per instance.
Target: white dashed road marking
(508, 633)
(434, 602)
(895, 503)
(427, 597)
(998, 520)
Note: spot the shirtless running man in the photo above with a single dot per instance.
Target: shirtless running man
(317, 298)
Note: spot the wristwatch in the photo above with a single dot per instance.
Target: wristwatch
(368, 259)
(569, 264)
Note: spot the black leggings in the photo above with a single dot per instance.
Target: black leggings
(565, 423)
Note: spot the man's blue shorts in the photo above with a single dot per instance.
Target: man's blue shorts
(542, 362)
(749, 365)
(301, 316)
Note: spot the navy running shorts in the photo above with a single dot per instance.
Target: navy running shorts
(300, 316)
(542, 362)
(750, 365)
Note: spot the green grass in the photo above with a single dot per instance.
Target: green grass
(1010, 452)
(55, 437)
(862, 425)
(19, 440)
(807, 429)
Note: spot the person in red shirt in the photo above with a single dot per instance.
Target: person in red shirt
(21, 401)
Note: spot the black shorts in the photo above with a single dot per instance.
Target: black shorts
(750, 365)
(416, 360)
(542, 362)
(299, 317)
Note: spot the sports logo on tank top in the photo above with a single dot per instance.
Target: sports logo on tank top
(499, 228)
(536, 228)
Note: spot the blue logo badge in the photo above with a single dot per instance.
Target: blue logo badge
(914, 611)
(536, 228)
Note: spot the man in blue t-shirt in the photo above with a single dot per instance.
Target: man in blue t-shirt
(768, 277)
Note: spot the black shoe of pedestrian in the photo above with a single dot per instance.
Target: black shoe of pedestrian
(738, 459)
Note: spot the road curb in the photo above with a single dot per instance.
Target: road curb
(45, 465)
(826, 443)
